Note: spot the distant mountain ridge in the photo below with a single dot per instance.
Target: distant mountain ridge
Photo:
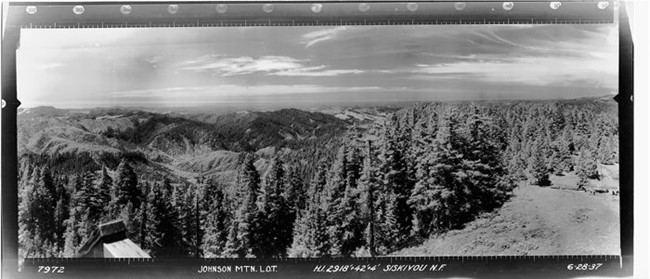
(184, 142)
(41, 111)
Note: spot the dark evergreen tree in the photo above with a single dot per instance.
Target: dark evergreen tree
(608, 150)
(182, 214)
(198, 233)
(26, 221)
(246, 217)
(162, 237)
(354, 164)
(275, 216)
(351, 232)
(295, 192)
(144, 214)
(61, 214)
(103, 187)
(91, 200)
(482, 165)
(234, 245)
(439, 195)
(558, 121)
(396, 181)
(76, 224)
(310, 236)
(367, 187)
(125, 187)
(587, 168)
(335, 189)
(43, 206)
(517, 160)
(302, 235)
(537, 166)
(72, 239)
(389, 234)
(190, 230)
(215, 218)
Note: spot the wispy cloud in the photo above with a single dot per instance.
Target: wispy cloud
(452, 56)
(315, 37)
(526, 70)
(244, 65)
(232, 90)
(269, 65)
(491, 35)
(316, 72)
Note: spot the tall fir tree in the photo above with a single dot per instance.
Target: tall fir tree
(586, 169)
(439, 195)
(608, 150)
(275, 216)
(43, 207)
(74, 224)
(181, 213)
(351, 236)
(26, 220)
(72, 239)
(295, 192)
(215, 218)
(537, 166)
(247, 218)
(482, 164)
(424, 135)
(353, 172)
(301, 246)
(90, 199)
(103, 187)
(310, 236)
(61, 213)
(396, 182)
(367, 187)
(144, 214)
(162, 236)
(335, 189)
(234, 246)
(191, 232)
(125, 187)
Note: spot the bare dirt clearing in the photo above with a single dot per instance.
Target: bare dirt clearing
(536, 221)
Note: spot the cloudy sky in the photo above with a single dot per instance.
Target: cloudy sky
(161, 67)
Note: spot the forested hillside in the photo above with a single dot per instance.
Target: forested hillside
(291, 182)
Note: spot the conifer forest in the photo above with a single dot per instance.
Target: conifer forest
(336, 182)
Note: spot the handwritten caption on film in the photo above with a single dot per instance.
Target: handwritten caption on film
(337, 268)
(238, 269)
(328, 268)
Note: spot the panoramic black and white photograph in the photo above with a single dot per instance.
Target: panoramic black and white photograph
(318, 141)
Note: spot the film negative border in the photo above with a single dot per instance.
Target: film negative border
(200, 14)
(203, 14)
(569, 266)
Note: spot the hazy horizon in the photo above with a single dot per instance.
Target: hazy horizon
(314, 66)
(265, 106)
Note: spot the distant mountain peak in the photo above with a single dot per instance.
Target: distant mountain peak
(42, 111)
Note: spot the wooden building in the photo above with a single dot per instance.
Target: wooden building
(109, 240)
